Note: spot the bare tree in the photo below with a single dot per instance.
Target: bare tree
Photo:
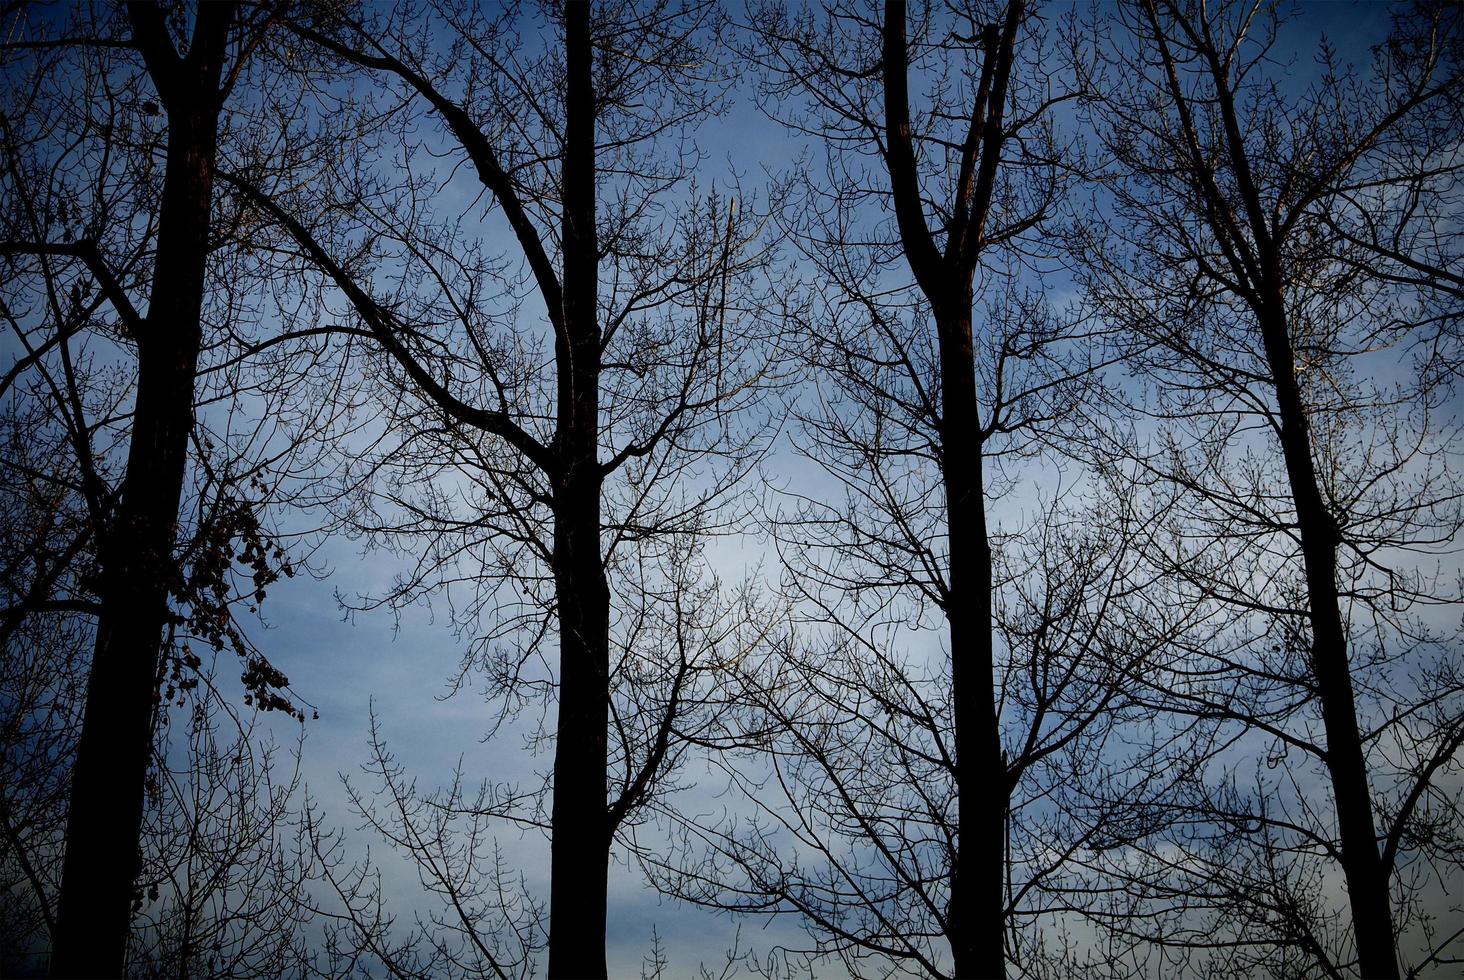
(1298, 380)
(140, 461)
(547, 472)
(135, 554)
(916, 813)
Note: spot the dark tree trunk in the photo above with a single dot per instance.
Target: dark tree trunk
(136, 549)
(975, 918)
(976, 914)
(580, 831)
(580, 842)
(1362, 864)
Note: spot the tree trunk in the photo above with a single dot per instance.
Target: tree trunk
(1367, 881)
(976, 914)
(136, 548)
(580, 830)
(975, 923)
(580, 841)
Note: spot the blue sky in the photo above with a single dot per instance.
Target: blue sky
(401, 667)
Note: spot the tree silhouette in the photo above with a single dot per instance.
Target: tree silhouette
(138, 487)
(930, 793)
(1299, 381)
(587, 450)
